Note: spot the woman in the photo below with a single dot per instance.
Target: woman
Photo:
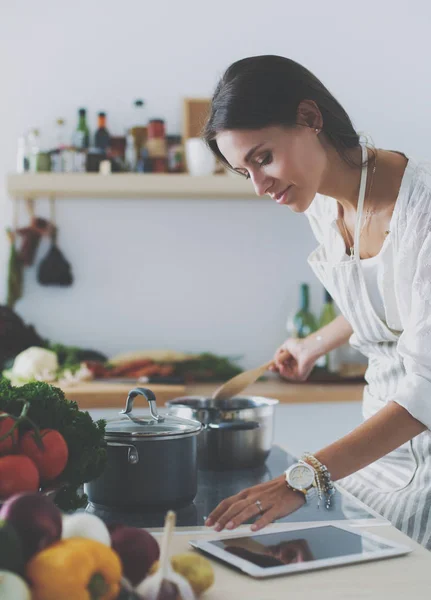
(370, 209)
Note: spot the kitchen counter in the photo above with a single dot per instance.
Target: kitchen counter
(393, 578)
(388, 579)
(101, 394)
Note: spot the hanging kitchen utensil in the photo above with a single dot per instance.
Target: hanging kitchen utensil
(54, 269)
(235, 385)
(15, 273)
(15, 266)
(31, 236)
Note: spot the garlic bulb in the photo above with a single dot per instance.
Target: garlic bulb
(85, 525)
(165, 584)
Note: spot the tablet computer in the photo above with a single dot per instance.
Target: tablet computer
(300, 549)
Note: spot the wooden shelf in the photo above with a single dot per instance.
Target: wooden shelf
(127, 185)
(291, 393)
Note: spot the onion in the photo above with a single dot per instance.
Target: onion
(137, 549)
(35, 518)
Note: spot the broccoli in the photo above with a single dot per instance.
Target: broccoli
(49, 409)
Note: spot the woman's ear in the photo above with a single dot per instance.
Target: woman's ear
(309, 115)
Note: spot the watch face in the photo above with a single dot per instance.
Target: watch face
(301, 477)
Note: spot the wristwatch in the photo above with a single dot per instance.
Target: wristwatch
(300, 477)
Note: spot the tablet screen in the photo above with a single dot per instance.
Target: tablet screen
(298, 546)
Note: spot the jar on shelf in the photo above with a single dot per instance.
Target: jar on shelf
(156, 145)
(176, 162)
(43, 162)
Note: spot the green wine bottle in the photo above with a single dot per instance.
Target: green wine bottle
(81, 138)
(327, 316)
(304, 320)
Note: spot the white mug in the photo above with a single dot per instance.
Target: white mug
(200, 159)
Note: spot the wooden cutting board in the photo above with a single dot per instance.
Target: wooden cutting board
(98, 394)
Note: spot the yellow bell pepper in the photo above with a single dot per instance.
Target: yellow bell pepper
(75, 568)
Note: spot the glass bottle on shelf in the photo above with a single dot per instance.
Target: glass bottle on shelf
(81, 138)
(60, 134)
(102, 139)
(33, 149)
(327, 315)
(290, 325)
(304, 320)
(130, 153)
(22, 162)
(139, 129)
(58, 156)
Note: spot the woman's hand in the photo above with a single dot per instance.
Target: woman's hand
(293, 360)
(272, 499)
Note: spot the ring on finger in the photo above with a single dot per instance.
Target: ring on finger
(259, 506)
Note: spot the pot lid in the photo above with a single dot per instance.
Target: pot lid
(149, 426)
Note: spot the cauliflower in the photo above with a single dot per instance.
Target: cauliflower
(82, 374)
(34, 364)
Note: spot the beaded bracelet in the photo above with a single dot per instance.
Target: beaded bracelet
(323, 478)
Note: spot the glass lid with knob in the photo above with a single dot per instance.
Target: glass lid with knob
(152, 426)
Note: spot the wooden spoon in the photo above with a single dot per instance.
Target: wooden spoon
(239, 382)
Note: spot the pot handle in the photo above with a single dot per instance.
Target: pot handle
(132, 453)
(148, 395)
(233, 426)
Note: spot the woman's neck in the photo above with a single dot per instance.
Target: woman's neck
(341, 181)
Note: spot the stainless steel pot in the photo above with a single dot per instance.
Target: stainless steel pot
(152, 462)
(237, 434)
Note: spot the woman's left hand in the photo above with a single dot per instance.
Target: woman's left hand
(272, 499)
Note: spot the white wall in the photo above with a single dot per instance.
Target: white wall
(216, 275)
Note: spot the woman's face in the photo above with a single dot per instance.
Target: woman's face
(287, 163)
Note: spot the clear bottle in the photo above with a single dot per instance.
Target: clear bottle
(58, 154)
(33, 140)
(130, 153)
(327, 315)
(60, 134)
(22, 162)
(290, 325)
(138, 128)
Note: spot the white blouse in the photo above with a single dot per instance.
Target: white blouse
(405, 278)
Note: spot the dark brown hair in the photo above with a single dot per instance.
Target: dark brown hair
(261, 91)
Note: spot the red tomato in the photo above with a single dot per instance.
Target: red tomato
(17, 474)
(7, 445)
(50, 461)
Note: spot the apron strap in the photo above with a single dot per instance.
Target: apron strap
(360, 208)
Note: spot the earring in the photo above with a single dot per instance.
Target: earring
(317, 130)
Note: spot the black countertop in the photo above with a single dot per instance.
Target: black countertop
(214, 486)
